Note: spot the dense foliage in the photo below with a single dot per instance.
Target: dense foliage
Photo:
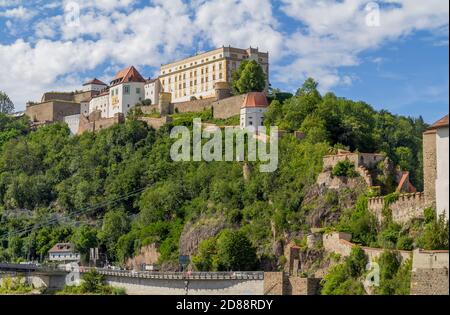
(119, 189)
(356, 125)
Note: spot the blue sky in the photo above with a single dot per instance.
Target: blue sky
(390, 54)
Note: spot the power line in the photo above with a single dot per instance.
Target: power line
(75, 213)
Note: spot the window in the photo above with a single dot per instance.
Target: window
(214, 77)
(220, 66)
(126, 89)
(138, 90)
(220, 75)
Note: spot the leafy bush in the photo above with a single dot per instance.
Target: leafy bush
(436, 234)
(230, 250)
(345, 278)
(395, 278)
(345, 169)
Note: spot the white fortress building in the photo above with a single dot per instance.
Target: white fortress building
(188, 79)
(194, 77)
(253, 108)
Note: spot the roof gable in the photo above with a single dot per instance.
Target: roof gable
(443, 122)
(95, 81)
(129, 74)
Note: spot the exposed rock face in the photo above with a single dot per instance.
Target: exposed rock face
(147, 255)
(330, 196)
(194, 233)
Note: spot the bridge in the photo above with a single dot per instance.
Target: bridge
(147, 282)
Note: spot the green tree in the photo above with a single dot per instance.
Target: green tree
(93, 282)
(84, 238)
(234, 251)
(6, 105)
(249, 77)
(435, 235)
(115, 224)
(345, 278)
(204, 260)
(395, 277)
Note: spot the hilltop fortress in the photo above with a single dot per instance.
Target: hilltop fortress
(188, 85)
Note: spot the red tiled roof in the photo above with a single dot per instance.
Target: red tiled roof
(255, 99)
(150, 80)
(443, 122)
(62, 247)
(129, 74)
(95, 81)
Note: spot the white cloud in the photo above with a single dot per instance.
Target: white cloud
(331, 36)
(336, 33)
(9, 3)
(240, 23)
(19, 13)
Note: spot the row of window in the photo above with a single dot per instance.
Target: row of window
(192, 64)
(126, 90)
(194, 82)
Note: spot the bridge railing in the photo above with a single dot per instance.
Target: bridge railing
(223, 275)
(232, 275)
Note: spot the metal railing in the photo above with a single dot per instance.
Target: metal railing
(225, 275)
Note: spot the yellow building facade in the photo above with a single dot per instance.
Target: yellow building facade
(195, 76)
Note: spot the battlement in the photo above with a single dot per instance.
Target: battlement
(405, 208)
(366, 160)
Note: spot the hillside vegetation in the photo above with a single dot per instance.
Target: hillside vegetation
(119, 189)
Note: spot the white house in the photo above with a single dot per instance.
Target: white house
(442, 168)
(252, 110)
(100, 102)
(152, 89)
(64, 252)
(126, 89)
(94, 85)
